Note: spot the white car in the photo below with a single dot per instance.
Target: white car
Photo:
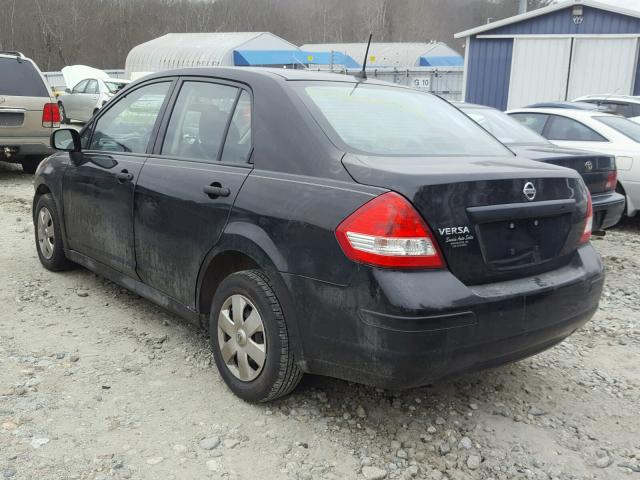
(89, 89)
(625, 105)
(593, 131)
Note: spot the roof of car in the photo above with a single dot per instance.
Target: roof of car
(566, 112)
(472, 105)
(288, 74)
(605, 96)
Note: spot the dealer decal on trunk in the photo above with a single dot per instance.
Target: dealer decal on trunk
(455, 237)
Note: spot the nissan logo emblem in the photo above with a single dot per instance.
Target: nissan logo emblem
(529, 191)
(588, 165)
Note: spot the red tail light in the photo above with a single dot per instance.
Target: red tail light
(588, 221)
(51, 115)
(612, 181)
(388, 232)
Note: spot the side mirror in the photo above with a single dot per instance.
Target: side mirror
(67, 90)
(66, 140)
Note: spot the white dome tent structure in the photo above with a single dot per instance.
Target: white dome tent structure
(183, 50)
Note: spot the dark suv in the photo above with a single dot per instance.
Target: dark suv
(28, 113)
(321, 223)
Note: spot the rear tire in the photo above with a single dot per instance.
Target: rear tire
(620, 190)
(63, 114)
(49, 235)
(30, 164)
(271, 374)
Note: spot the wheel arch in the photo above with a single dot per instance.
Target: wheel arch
(236, 252)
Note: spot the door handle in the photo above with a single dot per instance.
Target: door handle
(216, 190)
(124, 176)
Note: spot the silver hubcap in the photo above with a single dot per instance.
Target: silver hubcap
(46, 236)
(241, 338)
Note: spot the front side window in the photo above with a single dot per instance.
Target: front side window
(386, 120)
(568, 129)
(199, 121)
(622, 125)
(80, 87)
(533, 121)
(128, 124)
(238, 143)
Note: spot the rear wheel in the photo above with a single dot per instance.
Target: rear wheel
(30, 164)
(63, 114)
(250, 340)
(620, 190)
(48, 235)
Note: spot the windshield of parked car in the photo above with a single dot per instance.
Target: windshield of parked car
(386, 120)
(21, 79)
(503, 127)
(623, 125)
(114, 87)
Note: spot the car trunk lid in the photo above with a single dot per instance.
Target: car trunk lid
(594, 168)
(493, 218)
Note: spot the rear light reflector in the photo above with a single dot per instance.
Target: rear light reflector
(588, 221)
(51, 115)
(612, 181)
(388, 232)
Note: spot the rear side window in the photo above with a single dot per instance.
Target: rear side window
(622, 125)
(238, 143)
(128, 124)
(386, 120)
(92, 87)
(563, 128)
(21, 79)
(534, 121)
(199, 121)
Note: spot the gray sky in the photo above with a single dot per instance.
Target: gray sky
(630, 4)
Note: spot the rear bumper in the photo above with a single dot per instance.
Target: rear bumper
(406, 329)
(607, 209)
(22, 147)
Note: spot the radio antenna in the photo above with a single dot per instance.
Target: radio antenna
(362, 74)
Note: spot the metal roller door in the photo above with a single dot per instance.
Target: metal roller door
(539, 70)
(602, 65)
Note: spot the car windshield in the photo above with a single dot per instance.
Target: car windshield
(623, 125)
(387, 120)
(114, 87)
(503, 127)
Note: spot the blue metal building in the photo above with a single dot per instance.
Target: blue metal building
(559, 52)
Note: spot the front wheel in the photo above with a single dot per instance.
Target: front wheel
(48, 235)
(250, 340)
(63, 114)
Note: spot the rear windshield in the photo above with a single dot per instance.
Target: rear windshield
(503, 127)
(381, 120)
(20, 79)
(114, 87)
(622, 125)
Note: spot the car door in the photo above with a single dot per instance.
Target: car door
(187, 188)
(88, 101)
(71, 100)
(569, 132)
(99, 184)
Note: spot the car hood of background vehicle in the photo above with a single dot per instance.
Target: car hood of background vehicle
(74, 74)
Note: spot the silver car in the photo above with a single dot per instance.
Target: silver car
(87, 97)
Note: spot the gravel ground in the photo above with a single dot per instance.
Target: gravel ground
(96, 383)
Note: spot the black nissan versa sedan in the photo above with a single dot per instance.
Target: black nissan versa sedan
(597, 170)
(321, 223)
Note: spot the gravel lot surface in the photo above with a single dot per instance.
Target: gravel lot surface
(96, 383)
